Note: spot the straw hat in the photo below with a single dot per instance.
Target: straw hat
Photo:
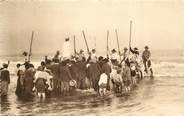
(72, 83)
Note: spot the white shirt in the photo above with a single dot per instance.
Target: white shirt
(114, 56)
(42, 74)
(93, 57)
(103, 79)
(66, 50)
(117, 78)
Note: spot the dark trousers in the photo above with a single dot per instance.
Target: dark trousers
(145, 65)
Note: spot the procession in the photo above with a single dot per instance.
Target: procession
(72, 70)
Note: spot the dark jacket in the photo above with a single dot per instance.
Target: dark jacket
(81, 69)
(106, 68)
(55, 71)
(146, 55)
(65, 74)
(5, 75)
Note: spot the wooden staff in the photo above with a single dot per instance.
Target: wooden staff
(95, 42)
(118, 43)
(130, 38)
(107, 43)
(86, 41)
(74, 46)
(30, 49)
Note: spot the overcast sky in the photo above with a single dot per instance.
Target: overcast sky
(158, 24)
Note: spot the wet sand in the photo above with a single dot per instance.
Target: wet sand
(161, 96)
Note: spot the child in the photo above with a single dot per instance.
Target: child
(127, 76)
(133, 75)
(118, 81)
(150, 70)
(102, 84)
(41, 82)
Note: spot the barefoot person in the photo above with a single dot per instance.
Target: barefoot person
(102, 84)
(41, 82)
(118, 81)
(145, 57)
(127, 76)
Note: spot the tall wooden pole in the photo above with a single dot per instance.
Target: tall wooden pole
(30, 49)
(130, 37)
(107, 43)
(85, 41)
(95, 42)
(118, 43)
(74, 44)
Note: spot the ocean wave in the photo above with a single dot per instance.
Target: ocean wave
(160, 68)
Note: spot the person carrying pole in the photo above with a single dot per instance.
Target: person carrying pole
(107, 44)
(118, 44)
(30, 49)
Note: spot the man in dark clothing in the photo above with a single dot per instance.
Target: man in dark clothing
(65, 76)
(81, 74)
(94, 72)
(5, 80)
(145, 57)
(56, 80)
(100, 61)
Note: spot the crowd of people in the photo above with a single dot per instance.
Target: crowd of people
(65, 73)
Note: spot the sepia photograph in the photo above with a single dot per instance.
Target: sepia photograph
(92, 57)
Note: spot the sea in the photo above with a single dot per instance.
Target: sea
(161, 96)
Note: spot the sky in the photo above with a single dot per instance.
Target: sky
(156, 23)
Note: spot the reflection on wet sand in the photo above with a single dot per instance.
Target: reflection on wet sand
(150, 97)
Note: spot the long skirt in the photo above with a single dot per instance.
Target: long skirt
(19, 88)
(4, 88)
(95, 84)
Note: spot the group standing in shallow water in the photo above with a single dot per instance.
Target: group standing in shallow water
(63, 75)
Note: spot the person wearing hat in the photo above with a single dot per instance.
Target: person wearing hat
(145, 57)
(67, 49)
(81, 55)
(5, 79)
(125, 54)
(134, 51)
(135, 55)
(93, 56)
(57, 57)
(118, 81)
(114, 56)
